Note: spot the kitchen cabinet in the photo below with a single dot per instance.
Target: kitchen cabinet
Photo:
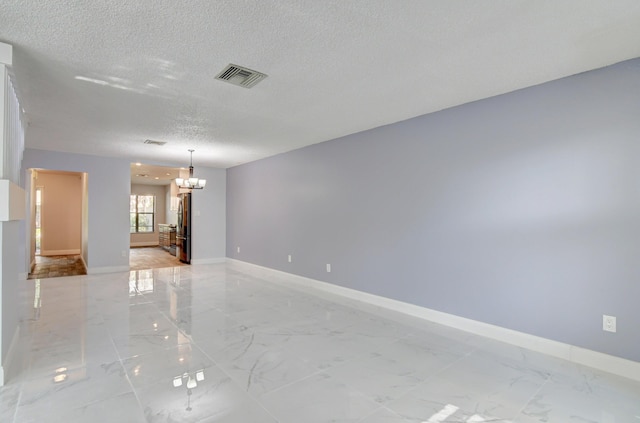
(168, 237)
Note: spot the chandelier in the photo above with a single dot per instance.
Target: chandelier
(192, 383)
(191, 182)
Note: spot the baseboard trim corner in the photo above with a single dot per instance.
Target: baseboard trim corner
(597, 360)
(84, 263)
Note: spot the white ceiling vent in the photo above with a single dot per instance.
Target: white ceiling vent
(240, 76)
(155, 142)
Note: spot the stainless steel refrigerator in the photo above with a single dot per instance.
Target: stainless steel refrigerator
(183, 235)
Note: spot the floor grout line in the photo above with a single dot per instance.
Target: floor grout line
(358, 336)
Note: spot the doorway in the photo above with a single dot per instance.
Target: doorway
(153, 211)
(58, 223)
(38, 220)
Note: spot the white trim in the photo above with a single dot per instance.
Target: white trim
(75, 251)
(144, 244)
(12, 203)
(213, 260)
(7, 367)
(608, 363)
(6, 54)
(83, 262)
(107, 269)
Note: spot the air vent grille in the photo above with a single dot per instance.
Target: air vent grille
(240, 76)
(155, 142)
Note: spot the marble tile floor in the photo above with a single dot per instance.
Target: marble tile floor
(207, 343)
(57, 266)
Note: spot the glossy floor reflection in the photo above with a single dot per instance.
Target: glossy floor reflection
(211, 344)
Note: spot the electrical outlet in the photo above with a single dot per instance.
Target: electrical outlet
(289, 258)
(328, 268)
(608, 323)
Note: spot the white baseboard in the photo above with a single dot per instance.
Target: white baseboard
(107, 269)
(213, 260)
(60, 252)
(144, 244)
(605, 362)
(7, 367)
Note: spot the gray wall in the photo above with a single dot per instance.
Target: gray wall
(109, 183)
(522, 210)
(208, 215)
(12, 245)
(11, 286)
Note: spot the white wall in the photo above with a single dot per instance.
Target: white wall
(171, 214)
(61, 214)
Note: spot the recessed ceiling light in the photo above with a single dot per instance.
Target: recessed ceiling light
(138, 164)
(156, 177)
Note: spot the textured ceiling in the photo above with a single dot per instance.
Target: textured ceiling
(145, 174)
(100, 77)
